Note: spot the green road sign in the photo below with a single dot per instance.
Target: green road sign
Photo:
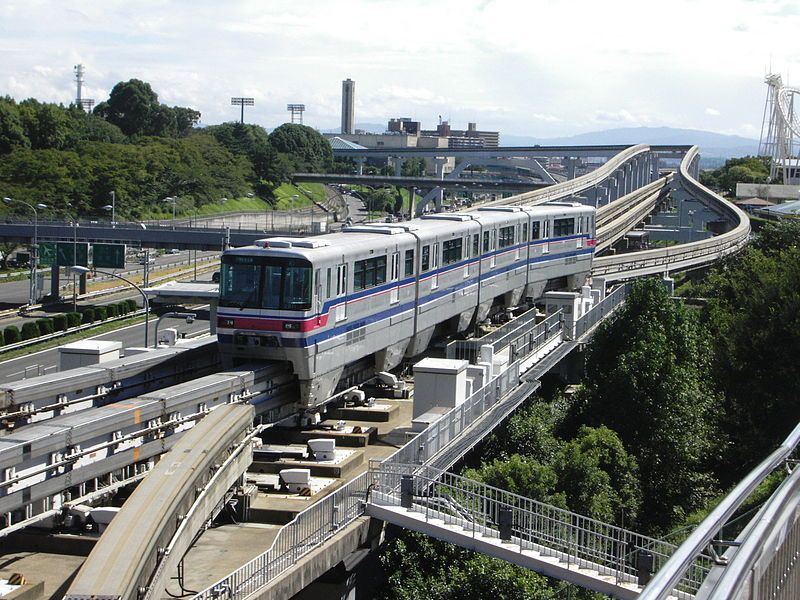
(47, 254)
(66, 251)
(110, 256)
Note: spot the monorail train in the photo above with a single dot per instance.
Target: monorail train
(381, 290)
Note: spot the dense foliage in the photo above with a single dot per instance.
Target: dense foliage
(748, 169)
(754, 313)
(647, 378)
(144, 151)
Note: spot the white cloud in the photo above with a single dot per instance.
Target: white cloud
(520, 67)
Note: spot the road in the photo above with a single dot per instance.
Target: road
(46, 361)
(16, 293)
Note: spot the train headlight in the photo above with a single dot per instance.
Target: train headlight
(291, 326)
(225, 323)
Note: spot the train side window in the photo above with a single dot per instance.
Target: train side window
(486, 247)
(506, 236)
(395, 266)
(409, 270)
(369, 273)
(426, 258)
(563, 227)
(476, 244)
(524, 236)
(535, 234)
(451, 251)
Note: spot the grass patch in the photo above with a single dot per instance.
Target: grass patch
(290, 197)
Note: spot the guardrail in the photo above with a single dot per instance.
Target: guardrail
(551, 531)
(686, 555)
(523, 333)
(599, 312)
(683, 256)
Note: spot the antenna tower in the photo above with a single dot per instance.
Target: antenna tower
(85, 103)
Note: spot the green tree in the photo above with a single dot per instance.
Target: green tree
(47, 126)
(754, 313)
(520, 475)
(647, 373)
(12, 133)
(306, 148)
(133, 106)
(130, 106)
(417, 566)
(747, 169)
(598, 476)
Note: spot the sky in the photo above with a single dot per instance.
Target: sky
(544, 68)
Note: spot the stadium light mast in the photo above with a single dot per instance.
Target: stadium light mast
(240, 101)
(296, 111)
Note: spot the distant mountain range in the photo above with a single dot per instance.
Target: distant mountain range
(712, 145)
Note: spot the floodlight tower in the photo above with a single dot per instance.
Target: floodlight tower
(297, 111)
(239, 101)
(85, 103)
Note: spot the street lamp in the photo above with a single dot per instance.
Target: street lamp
(113, 208)
(34, 246)
(79, 270)
(190, 317)
(174, 201)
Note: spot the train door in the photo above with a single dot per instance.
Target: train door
(435, 265)
(580, 231)
(492, 248)
(466, 255)
(394, 294)
(341, 292)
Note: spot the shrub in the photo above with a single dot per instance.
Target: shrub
(45, 326)
(87, 316)
(30, 330)
(11, 335)
(60, 322)
(112, 310)
(100, 313)
(73, 319)
(132, 306)
(123, 308)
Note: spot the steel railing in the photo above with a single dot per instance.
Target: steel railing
(523, 334)
(686, 555)
(601, 310)
(571, 538)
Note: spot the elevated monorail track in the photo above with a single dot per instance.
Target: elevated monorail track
(149, 536)
(683, 256)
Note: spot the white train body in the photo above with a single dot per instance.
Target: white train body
(327, 303)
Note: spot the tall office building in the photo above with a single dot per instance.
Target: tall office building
(348, 102)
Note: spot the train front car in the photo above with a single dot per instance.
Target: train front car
(267, 306)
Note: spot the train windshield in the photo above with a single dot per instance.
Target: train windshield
(265, 282)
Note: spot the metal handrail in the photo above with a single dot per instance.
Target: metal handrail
(660, 586)
(552, 531)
